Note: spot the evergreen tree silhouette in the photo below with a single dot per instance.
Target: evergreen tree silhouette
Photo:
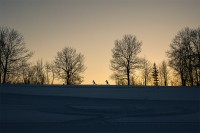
(155, 74)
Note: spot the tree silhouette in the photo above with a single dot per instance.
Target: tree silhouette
(70, 65)
(49, 72)
(146, 67)
(124, 57)
(13, 53)
(39, 72)
(155, 74)
(164, 73)
(184, 55)
(27, 74)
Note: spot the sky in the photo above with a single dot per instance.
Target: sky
(92, 26)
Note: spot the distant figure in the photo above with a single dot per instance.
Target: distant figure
(94, 82)
(107, 82)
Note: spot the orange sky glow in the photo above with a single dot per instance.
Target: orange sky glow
(92, 26)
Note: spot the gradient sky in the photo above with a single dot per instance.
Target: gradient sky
(92, 26)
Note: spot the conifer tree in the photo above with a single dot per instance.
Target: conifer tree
(155, 74)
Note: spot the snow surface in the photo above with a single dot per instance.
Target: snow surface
(95, 108)
(107, 91)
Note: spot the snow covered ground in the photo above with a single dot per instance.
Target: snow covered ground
(95, 108)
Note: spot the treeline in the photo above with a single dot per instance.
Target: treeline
(182, 67)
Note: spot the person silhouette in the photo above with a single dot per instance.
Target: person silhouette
(107, 82)
(94, 82)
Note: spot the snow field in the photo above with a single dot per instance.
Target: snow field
(25, 108)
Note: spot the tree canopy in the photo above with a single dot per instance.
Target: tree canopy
(69, 65)
(124, 57)
(13, 53)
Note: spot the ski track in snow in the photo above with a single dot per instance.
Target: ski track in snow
(24, 111)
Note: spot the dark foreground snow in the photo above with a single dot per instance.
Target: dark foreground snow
(92, 109)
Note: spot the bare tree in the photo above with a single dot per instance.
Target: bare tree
(124, 57)
(70, 65)
(13, 53)
(174, 79)
(50, 72)
(155, 74)
(118, 79)
(146, 67)
(195, 42)
(39, 72)
(164, 73)
(34, 74)
(27, 73)
(47, 69)
(184, 55)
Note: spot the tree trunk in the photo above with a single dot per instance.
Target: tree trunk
(0, 77)
(67, 78)
(5, 73)
(197, 77)
(190, 69)
(4, 76)
(68, 81)
(52, 78)
(128, 76)
(165, 82)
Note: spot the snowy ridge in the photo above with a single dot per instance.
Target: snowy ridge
(107, 91)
